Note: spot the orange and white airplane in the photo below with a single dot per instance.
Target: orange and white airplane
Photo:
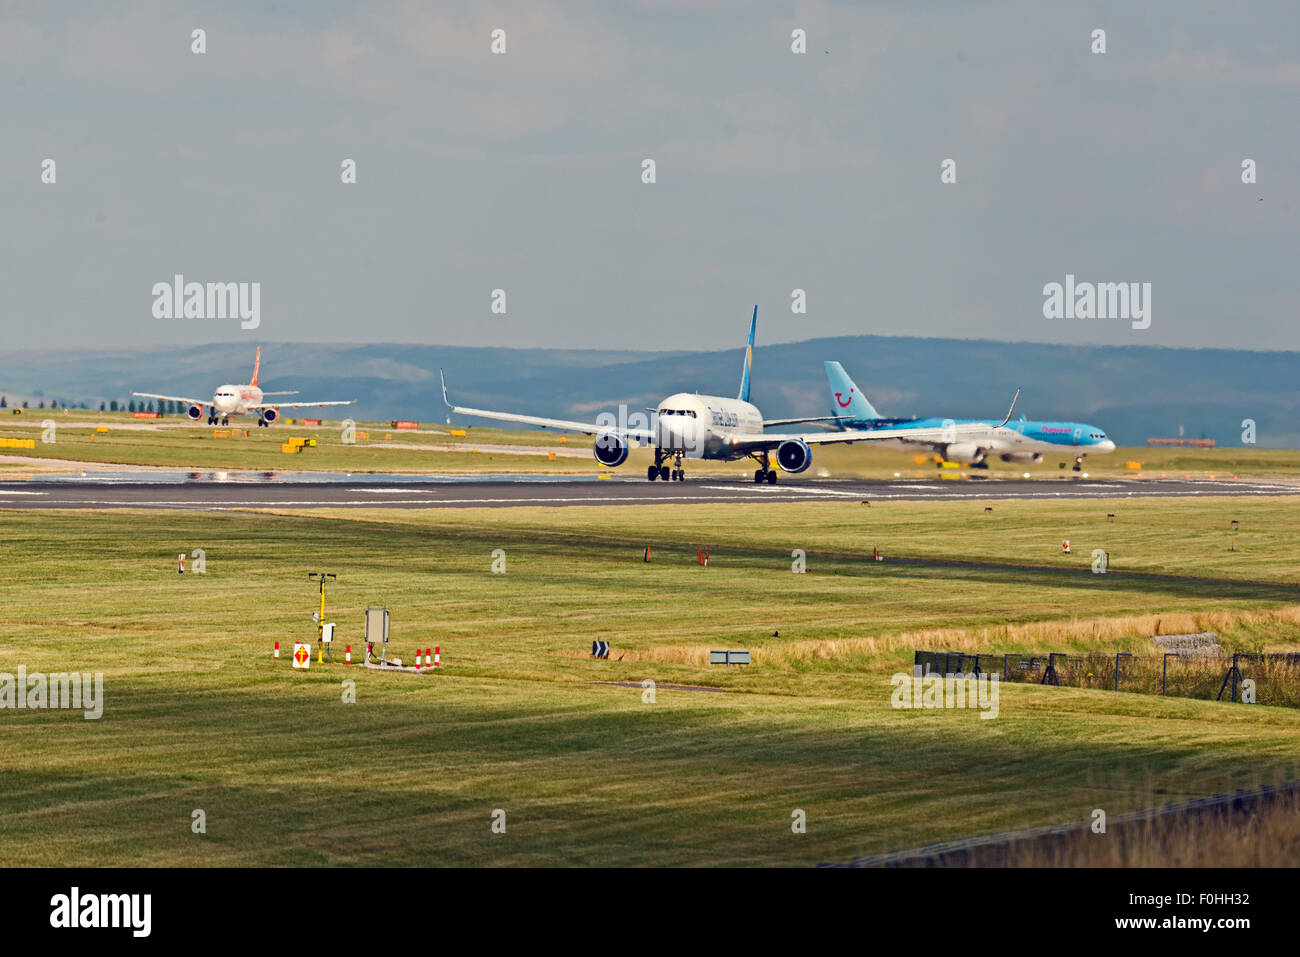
(231, 400)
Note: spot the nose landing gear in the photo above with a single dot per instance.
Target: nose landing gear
(661, 471)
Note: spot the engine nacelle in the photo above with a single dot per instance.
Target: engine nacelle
(610, 450)
(195, 412)
(269, 415)
(793, 455)
(1034, 457)
(968, 452)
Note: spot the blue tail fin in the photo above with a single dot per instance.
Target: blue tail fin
(848, 400)
(749, 360)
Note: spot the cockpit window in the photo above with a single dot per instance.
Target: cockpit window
(677, 412)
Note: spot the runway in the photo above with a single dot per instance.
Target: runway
(498, 492)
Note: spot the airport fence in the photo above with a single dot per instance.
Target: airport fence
(1269, 678)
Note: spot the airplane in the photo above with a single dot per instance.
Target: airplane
(231, 400)
(688, 425)
(1022, 441)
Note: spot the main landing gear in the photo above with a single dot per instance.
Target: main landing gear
(661, 471)
(765, 473)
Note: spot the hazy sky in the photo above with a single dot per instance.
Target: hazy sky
(775, 171)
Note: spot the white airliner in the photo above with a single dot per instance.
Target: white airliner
(1023, 441)
(697, 426)
(231, 400)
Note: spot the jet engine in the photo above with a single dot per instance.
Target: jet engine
(610, 450)
(1034, 457)
(195, 412)
(269, 415)
(793, 455)
(968, 452)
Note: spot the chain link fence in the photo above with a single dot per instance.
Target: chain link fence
(1272, 679)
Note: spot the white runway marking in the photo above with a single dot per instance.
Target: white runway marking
(318, 503)
(778, 490)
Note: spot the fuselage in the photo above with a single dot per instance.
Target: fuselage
(1021, 437)
(236, 399)
(701, 426)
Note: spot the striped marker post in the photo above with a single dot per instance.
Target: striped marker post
(277, 649)
(417, 659)
(347, 655)
(437, 656)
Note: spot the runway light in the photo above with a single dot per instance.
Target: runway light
(1026, 475)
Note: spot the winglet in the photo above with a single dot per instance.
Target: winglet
(1011, 411)
(446, 401)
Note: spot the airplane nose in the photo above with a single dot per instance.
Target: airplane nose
(676, 432)
(1107, 446)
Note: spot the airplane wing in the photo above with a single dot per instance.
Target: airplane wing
(173, 398)
(564, 425)
(264, 394)
(298, 405)
(944, 436)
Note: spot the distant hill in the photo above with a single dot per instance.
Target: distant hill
(1132, 392)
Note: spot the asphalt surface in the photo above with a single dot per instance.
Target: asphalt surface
(357, 492)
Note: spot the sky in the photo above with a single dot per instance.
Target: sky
(522, 171)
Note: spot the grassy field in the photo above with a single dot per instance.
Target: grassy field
(177, 443)
(198, 715)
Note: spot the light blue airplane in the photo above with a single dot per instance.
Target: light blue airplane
(1020, 441)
